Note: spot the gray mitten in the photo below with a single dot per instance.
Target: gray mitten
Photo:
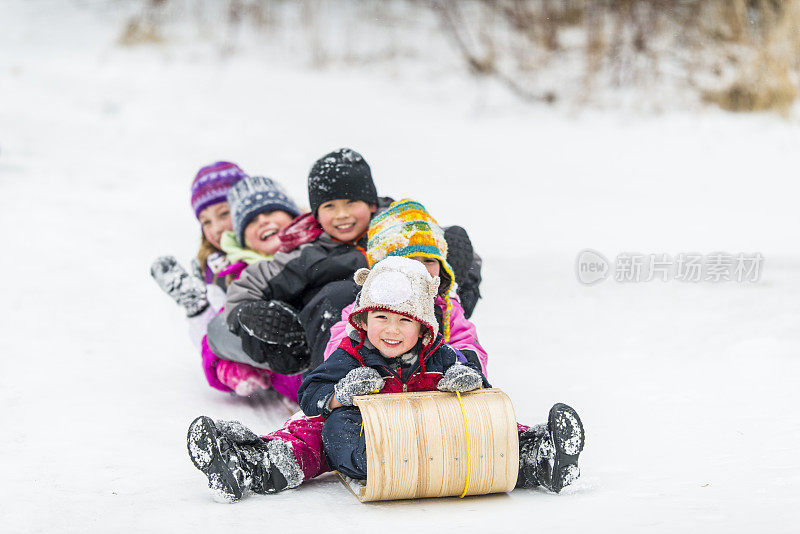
(359, 381)
(460, 378)
(188, 291)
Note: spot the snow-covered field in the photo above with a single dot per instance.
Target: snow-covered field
(688, 390)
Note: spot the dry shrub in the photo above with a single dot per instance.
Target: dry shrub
(525, 43)
(739, 54)
(763, 86)
(138, 31)
(144, 27)
(764, 48)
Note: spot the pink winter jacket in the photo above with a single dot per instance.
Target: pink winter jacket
(463, 335)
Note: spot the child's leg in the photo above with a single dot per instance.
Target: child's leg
(243, 379)
(210, 362)
(271, 334)
(345, 443)
(292, 341)
(296, 448)
(286, 385)
(322, 312)
(198, 325)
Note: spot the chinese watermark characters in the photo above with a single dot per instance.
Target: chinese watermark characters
(592, 267)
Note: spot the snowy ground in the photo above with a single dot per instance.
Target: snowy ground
(688, 391)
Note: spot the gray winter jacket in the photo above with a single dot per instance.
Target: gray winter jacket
(295, 277)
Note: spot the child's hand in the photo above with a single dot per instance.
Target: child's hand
(359, 381)
(188, 291)
(460, 378)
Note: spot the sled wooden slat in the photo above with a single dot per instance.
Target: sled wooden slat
(416, 445)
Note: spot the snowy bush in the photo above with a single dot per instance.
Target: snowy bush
(741, 55)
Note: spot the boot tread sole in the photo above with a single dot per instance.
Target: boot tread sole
(204, 451)
(565, 464)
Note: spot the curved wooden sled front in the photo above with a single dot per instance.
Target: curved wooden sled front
(417, 444)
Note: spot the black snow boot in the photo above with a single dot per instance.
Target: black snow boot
(233, 458)
(548, 455)
(271, 334)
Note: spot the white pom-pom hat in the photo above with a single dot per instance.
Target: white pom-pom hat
(398, 285)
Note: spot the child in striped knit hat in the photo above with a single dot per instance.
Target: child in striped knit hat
(260, 210)
(407, 229)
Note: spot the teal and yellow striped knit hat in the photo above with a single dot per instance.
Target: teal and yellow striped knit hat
(406, 229)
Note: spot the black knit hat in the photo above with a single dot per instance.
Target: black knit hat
(340, 174)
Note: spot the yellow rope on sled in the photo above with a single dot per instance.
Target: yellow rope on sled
(360, 432)
(469, 457)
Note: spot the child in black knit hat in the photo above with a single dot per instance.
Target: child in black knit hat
(342, 194)
(340, 190)
(273, 305)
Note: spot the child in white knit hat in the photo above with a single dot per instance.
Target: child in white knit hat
(398, 348)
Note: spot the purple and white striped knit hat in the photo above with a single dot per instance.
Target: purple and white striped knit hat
(211, 184)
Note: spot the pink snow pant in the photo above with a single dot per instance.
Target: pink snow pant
(305, 436)
(286, 385)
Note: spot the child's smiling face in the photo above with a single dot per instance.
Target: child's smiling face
(345, 219)
(391, 333)
(261, 234)
(214, 220)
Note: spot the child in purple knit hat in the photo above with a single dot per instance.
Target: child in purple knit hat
(210, 189)
(194, 292)
(202, 292)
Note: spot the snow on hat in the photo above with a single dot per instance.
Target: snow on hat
(211, 184)
(398, 285)
(254, 195)
(340, 174)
